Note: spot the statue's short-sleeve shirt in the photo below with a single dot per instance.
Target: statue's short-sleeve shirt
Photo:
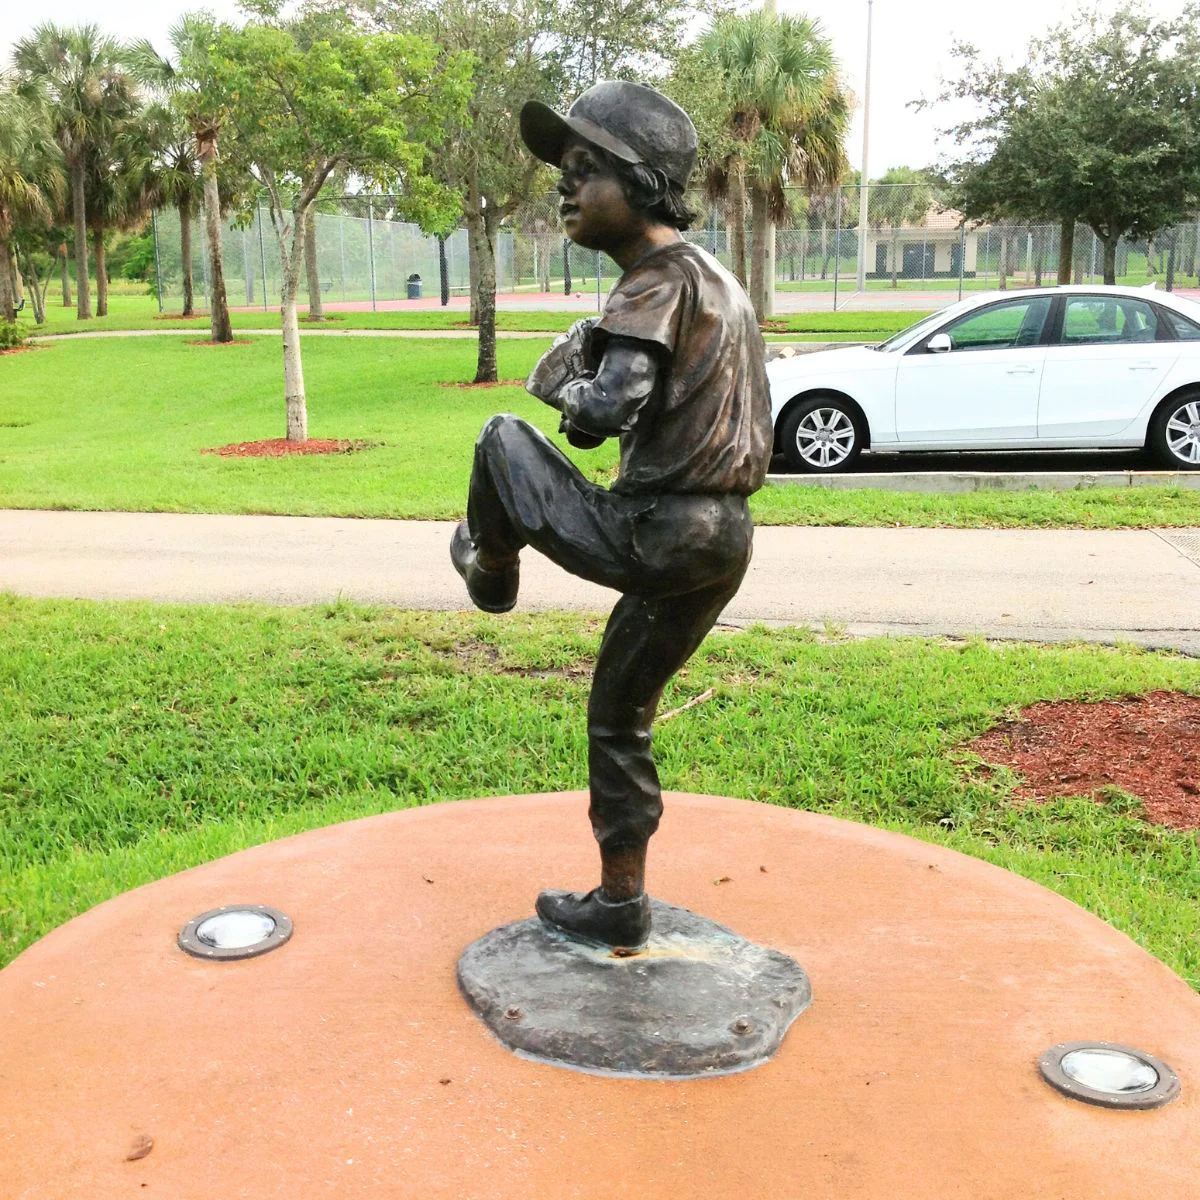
(707, 428)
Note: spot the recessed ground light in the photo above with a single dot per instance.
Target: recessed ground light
(235, 931)
(1108, 1074)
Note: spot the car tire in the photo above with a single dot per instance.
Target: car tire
(1174, 434)
(822, 435)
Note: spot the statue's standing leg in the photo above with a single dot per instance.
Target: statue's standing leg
(645, 642)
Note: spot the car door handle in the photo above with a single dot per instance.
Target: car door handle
(1143, 366)
(1022, 370)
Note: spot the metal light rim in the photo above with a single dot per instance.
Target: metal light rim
(1163, 1092)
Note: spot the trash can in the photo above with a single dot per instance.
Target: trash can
(414, 287)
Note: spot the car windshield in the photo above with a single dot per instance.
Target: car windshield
(912, 332)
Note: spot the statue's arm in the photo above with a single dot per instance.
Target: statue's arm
(607, 404)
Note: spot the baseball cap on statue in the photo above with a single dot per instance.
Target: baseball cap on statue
(634, 122)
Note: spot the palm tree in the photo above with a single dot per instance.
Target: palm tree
(787, 114)
(178, 180)
(82, 76)
(120, 191)
(184, 82)
(31, 182)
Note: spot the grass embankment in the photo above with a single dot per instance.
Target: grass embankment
(119, 425)
(141, 312)
(142, 739)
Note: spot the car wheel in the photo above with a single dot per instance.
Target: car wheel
(1174, 435)
(822, 435)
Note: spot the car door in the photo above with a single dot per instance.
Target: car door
(1109, 357)
(984, 389)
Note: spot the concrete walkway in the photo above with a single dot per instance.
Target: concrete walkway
(1136, 586)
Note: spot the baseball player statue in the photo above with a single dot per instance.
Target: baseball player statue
(674, 368)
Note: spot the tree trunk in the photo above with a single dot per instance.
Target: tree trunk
(1039, 245)
(544, 252)
(824, 248)
(83, 309)
(473, 276)
(101, 274)
(736, 220)
(8, 306)
(185, 254)
(36, 290)
(293, 368)
(1066, 250)
(1002, 267)
(759, 218)
(481, 233)
(316, 311)
(1170, 282)
(895, 256)
(221, 330)
(65, 271)
(1110, 259)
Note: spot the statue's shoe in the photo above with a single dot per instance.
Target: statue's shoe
(589, 917)
(494, 591)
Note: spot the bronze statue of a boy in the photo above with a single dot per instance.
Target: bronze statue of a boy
(674, 367)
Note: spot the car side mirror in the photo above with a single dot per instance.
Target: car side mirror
(940, 343)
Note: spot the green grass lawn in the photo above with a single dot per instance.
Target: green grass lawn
(120, 425)
(139, 740)
(141, 312)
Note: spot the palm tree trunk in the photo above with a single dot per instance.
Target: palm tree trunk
(83, 309)
(759, 219)
(8, 305)
(101, 274)
(737, 219)
(65, 270)
(222, 331)
(185, 254)
(316, 310)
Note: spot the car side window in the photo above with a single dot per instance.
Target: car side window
(1108, 320)
(1001, 326)
(1184, 330)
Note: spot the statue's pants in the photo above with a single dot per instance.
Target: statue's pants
(677, 558)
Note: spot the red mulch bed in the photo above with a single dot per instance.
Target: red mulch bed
(210, 342)
(19, 349)
(197, 316)
(1146, 745)
(281, 448)
(497, 383)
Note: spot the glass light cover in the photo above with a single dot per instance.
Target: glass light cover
(235, 930)
(1110, 1071)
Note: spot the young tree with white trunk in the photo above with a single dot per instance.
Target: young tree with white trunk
(309, 96)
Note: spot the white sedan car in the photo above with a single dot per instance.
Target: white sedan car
(1047, 369)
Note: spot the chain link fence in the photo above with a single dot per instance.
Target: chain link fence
(913, 250)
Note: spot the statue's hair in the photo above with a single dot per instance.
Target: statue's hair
(649, 190)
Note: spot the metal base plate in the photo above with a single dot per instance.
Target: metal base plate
(699, 1000)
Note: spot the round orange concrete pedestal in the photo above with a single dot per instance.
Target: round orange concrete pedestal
(345, 1064)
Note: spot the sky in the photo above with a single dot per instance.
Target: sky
(910, 51)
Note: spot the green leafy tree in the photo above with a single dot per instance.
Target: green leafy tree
(547, 50)
(309, 96)
(1100, 124)
(82, 77)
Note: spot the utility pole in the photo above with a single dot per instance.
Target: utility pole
(863, 187)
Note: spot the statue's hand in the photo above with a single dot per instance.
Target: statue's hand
(569, 357)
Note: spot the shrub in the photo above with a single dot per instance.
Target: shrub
(11, 335)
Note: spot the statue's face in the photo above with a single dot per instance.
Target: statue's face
(594, 210)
